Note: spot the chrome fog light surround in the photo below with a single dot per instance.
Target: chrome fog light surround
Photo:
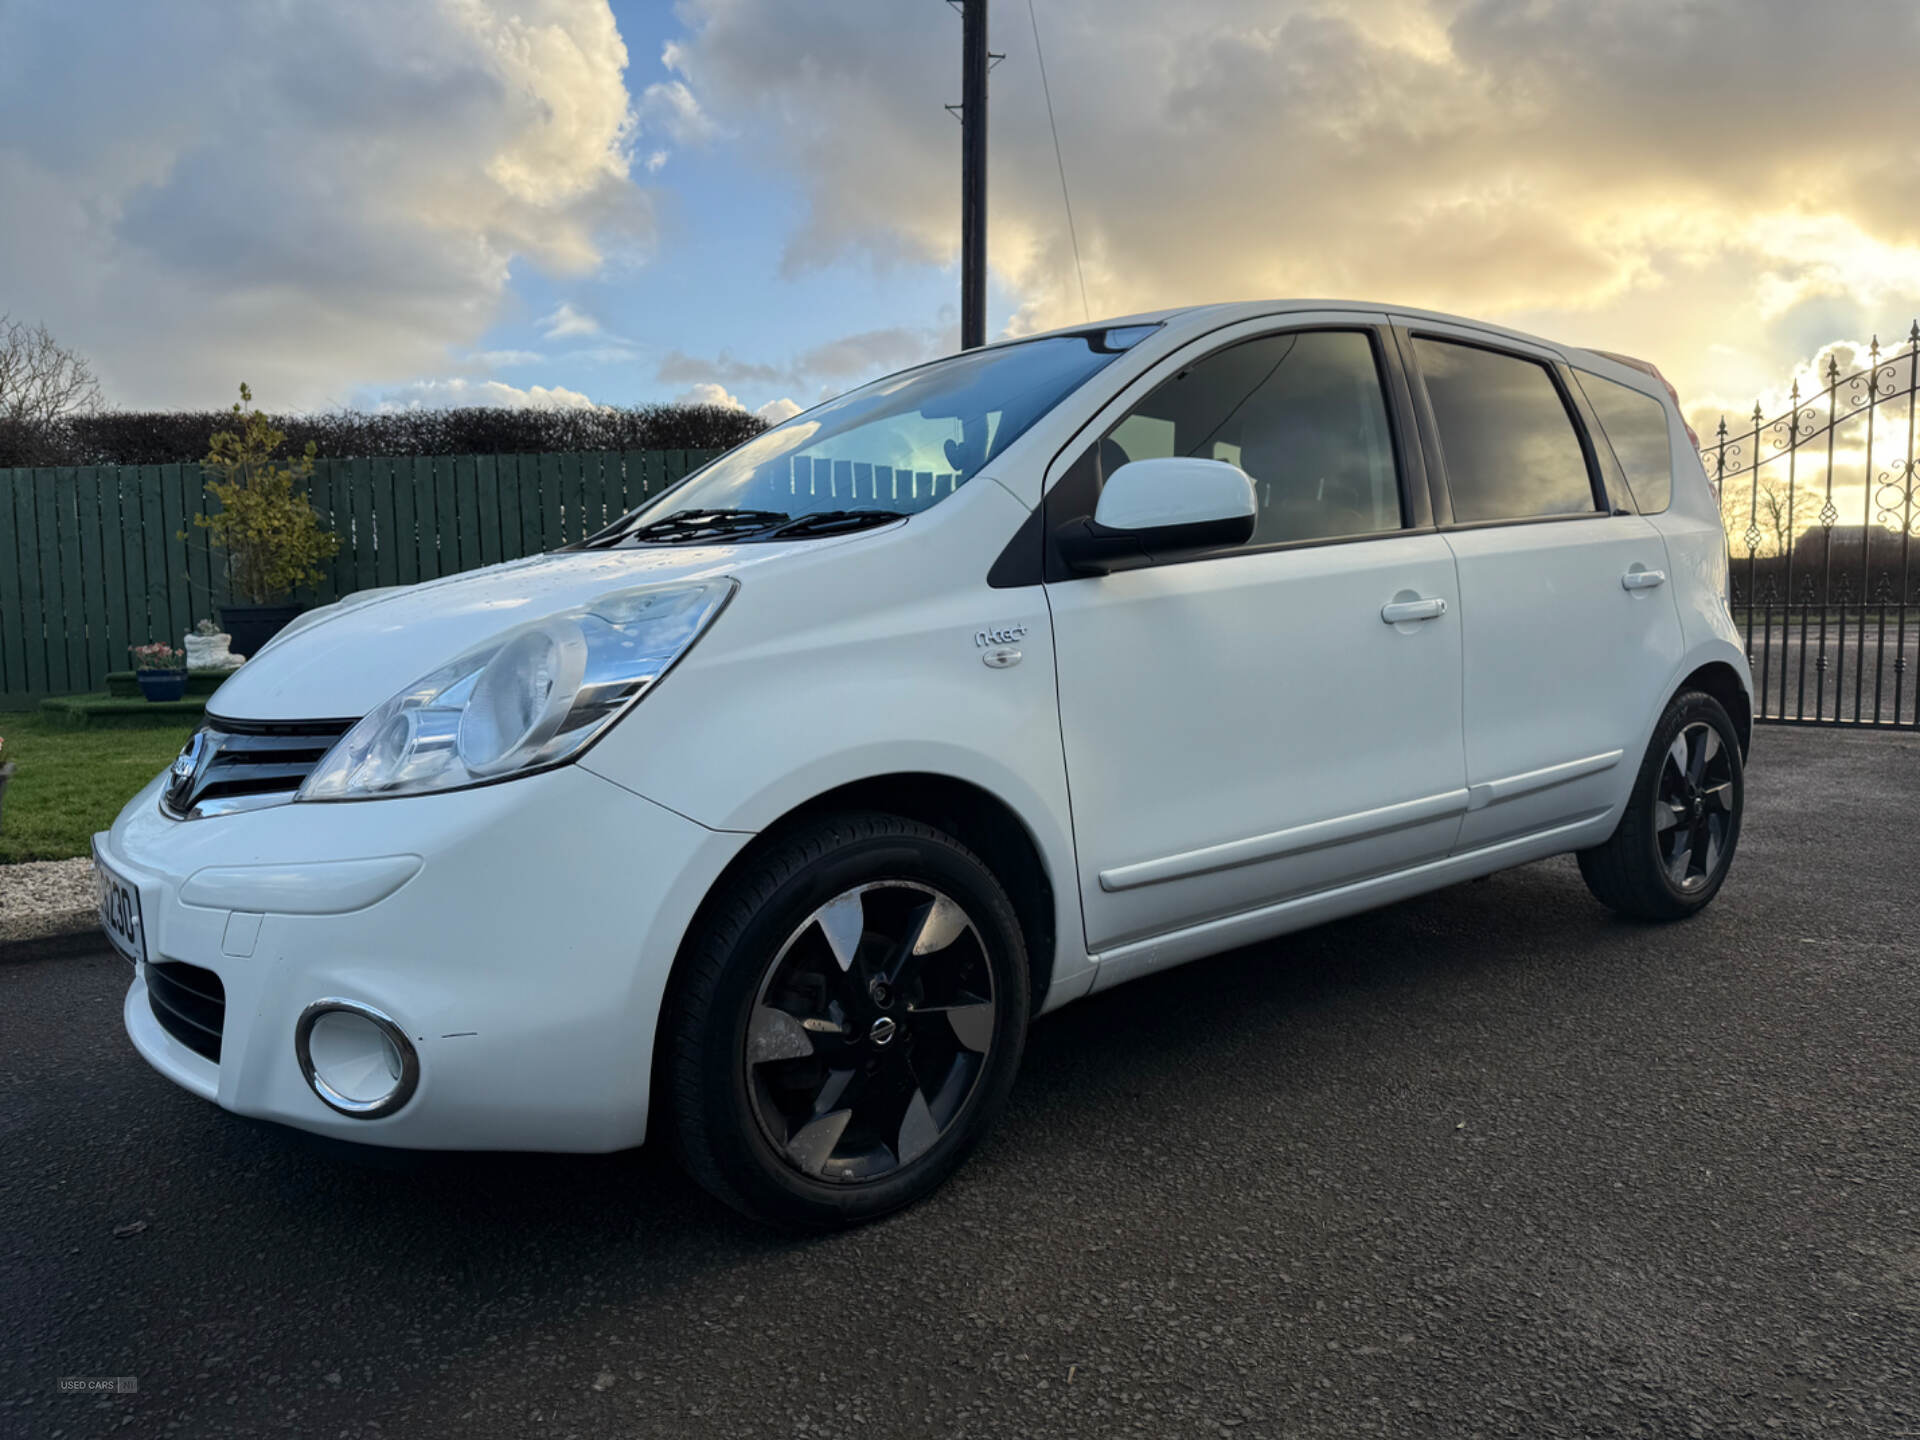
(355, 1058)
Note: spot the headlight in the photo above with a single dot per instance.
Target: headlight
(525, 700)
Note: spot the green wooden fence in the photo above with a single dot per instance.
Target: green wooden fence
(91, 559)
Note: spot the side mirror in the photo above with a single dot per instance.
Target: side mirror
(1155, 510)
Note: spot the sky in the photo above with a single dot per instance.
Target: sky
(755, 202)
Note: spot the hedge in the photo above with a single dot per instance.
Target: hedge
(128, 437)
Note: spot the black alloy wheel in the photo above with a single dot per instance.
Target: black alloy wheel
(845, 1022)
(1693, 814)
(1675, 841)
(870, 1031)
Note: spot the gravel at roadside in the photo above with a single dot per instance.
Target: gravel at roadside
(46, 897)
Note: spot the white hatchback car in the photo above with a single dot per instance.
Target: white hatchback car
(770, 816)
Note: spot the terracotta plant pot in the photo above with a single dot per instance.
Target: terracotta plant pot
(162, 684)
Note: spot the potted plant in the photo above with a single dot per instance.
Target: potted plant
(160, 669)
(6, 774)
(207, 648)
(274, 542)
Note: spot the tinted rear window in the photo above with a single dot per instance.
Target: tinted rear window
(1510, 448)
(1636, 426)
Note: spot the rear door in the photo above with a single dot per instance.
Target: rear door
(1244, 726)
(1569, 628)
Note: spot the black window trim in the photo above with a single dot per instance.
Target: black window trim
(1603, 502)
(1034, 539)
(1600, 428)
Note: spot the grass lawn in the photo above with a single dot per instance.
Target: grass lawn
(69, 783)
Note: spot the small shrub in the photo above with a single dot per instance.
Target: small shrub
(273, 539)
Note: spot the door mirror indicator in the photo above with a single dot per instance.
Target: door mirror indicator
(1156, 510)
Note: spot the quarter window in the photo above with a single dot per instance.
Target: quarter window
(1510, 447)
(1636, 427)
(1302, 414)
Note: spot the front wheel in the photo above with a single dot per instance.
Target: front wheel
(846, 1024)
(1670, 852)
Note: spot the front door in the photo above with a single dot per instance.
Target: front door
(1247, 726)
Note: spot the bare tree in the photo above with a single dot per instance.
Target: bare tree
(40, 379)
(1774, 517)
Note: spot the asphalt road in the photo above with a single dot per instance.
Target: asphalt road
(1486, 1163)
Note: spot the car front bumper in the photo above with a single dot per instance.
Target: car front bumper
(520, 934)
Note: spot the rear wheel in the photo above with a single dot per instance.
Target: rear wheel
(847, 1023)
(1670, 852)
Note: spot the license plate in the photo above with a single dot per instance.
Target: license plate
(120, 910)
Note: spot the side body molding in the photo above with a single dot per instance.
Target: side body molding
(1292, 841)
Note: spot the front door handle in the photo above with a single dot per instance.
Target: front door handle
(1398, 612)
(1642, 579)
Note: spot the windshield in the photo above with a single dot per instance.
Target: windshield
(887, 450)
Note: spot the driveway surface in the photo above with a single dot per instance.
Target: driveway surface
(1490, 1162)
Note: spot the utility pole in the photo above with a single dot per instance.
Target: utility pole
(974, 63)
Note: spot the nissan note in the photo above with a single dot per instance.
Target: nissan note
(769, 817)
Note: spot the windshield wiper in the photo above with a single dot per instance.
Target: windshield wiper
(833, 522)
(689, 526)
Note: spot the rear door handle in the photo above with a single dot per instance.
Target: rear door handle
(1642, 579)
(1398, 612)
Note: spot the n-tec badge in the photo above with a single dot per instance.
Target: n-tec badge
(999, 635)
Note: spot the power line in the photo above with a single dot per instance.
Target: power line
(1065, 199)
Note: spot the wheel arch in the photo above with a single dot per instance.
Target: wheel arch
(982, 821)
(1720, 680)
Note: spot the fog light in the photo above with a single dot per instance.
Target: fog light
(356, 1059)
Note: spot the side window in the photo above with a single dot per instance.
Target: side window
(1510, 447)
(1636, 426)
(1301, 413)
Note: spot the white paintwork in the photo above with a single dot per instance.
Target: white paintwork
(1255, 706)
(330, 887)
(1203, 754)
(1178, 490)
(351, 658)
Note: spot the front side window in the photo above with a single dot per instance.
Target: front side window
(1302, 414)
(1510, 447)
(889, 449)
(1636, 427)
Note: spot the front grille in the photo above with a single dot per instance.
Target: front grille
(233, 765)
(190, 1004)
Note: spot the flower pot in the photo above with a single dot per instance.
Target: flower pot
(210, 652)
(249, 627)
(6, 774)
(163, 684)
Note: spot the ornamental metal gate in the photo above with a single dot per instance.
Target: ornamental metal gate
(1820, 509)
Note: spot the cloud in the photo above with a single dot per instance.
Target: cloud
(825, 369)
(668, 108)
(566, 321)
(679, 368)
(507, 359)
(345, 202)
(609, 352)
(1603, 172)
(458, 391)
(708, 393)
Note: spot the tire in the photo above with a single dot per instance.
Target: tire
(864, 966)
(1670, 852)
